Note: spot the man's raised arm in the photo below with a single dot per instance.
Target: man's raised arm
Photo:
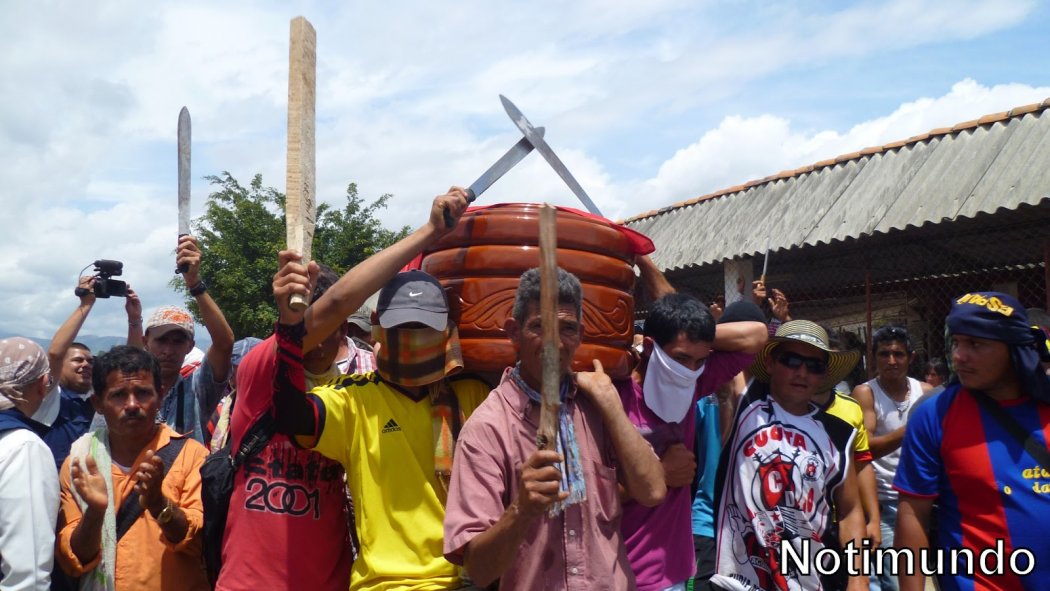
(745, 336)
(67, 333)
(133, 307)
(654, 282)
(219, 330)
(341, 300)
(297, 414)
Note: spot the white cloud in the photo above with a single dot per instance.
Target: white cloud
(742, 149)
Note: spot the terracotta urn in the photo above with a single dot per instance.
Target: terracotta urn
(481, 261)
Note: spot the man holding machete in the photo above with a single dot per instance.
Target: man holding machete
(187, 402)
(507, 516)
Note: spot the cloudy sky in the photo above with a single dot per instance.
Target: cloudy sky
(648, 103)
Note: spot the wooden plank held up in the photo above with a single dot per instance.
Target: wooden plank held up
(550, 391)
(300, 204)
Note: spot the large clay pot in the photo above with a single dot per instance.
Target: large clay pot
(482, 260)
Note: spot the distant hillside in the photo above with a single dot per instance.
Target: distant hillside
(101, 343)
(96, 343)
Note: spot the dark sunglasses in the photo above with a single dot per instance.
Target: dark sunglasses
(795, 361)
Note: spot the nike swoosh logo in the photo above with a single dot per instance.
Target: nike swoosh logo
(413, 294)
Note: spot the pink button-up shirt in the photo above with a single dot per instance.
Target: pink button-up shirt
(582, 547)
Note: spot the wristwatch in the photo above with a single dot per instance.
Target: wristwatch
(166, 513)
(198, 288)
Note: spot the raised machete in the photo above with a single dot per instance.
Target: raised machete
(765, 264)
(548, 154)
(184, 179)
(497, 170)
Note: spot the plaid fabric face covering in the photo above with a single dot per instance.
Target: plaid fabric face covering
(417, 357)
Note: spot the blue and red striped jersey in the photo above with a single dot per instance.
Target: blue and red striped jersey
(988, 488)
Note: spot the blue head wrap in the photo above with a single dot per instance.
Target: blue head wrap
(241, 348)
(1000, 317)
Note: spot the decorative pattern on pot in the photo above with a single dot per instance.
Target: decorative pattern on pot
(481, 260)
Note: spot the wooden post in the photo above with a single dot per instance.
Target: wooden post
(550, 391)
(300, 205)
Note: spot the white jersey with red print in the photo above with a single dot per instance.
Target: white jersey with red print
(775, 481)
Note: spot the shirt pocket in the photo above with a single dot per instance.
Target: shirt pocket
(606, 496)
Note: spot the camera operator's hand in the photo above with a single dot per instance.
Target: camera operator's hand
(292, 277)
(86, 286)
(133, 305)
(189, 254)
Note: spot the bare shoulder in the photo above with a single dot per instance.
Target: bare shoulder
(864, 395)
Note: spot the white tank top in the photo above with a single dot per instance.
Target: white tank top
(889, 415)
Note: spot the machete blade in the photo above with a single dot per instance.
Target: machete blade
(506, 162)
(502, 166)
(184, 177)
(548, 154)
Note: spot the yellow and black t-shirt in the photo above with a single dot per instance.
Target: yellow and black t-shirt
(849, 410)
(385, 441)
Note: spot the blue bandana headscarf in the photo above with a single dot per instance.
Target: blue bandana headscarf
(1000, 317)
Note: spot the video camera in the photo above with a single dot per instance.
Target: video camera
(104, 286)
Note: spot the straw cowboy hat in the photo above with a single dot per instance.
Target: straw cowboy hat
(840, 363)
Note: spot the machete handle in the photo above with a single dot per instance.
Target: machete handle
(769, 293)
(184, 267)
(449, 222)
(298, 302)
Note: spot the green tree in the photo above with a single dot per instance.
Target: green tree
(242, 230)
(343, 238)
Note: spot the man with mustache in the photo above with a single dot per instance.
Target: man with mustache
(548, 518)
(131, 506)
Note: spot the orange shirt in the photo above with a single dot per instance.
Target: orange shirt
(145, 559)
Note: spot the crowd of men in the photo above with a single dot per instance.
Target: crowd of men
(349, 449)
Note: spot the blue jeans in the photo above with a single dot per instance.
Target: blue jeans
(888, 521)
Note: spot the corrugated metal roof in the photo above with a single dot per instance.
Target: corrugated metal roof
(998, 161)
